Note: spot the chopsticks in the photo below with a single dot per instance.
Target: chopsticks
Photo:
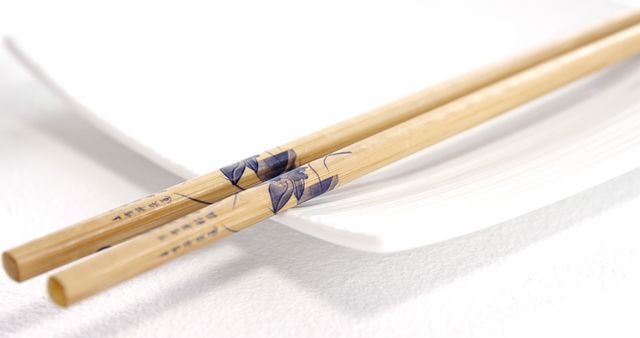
(114, 226)
(333, 170)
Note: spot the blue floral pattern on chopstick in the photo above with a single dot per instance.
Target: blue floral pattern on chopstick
(292, 183)
(271, 166)
(235, 171)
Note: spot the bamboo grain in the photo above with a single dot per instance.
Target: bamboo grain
(245, 208)
(114, 226)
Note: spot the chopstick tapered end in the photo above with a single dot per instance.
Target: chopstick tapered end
(11, 266)
(57, 292)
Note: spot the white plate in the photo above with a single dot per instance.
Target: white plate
(229, 82)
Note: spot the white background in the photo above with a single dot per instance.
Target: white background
(568, 269)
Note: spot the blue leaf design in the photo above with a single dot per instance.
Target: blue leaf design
(252, 163)
(293, 183)
(234, 171)
(275, 165)
(272, 166)
(280, 193)
(298, 188)
(297, 177)
(294, 175)
(319, 188)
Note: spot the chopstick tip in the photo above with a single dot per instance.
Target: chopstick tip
(11, 266)
(57, 292)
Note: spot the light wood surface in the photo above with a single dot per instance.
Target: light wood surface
(114, 226)
(245, 208)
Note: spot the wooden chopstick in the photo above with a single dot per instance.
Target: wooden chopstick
(235, 213)
(114, 226)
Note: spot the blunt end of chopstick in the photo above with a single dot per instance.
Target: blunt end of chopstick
(57, 292)
(11, 267)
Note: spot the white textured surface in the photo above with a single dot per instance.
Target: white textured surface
(194, 83)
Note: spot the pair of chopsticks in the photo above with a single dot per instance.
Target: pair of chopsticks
(205, 209)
